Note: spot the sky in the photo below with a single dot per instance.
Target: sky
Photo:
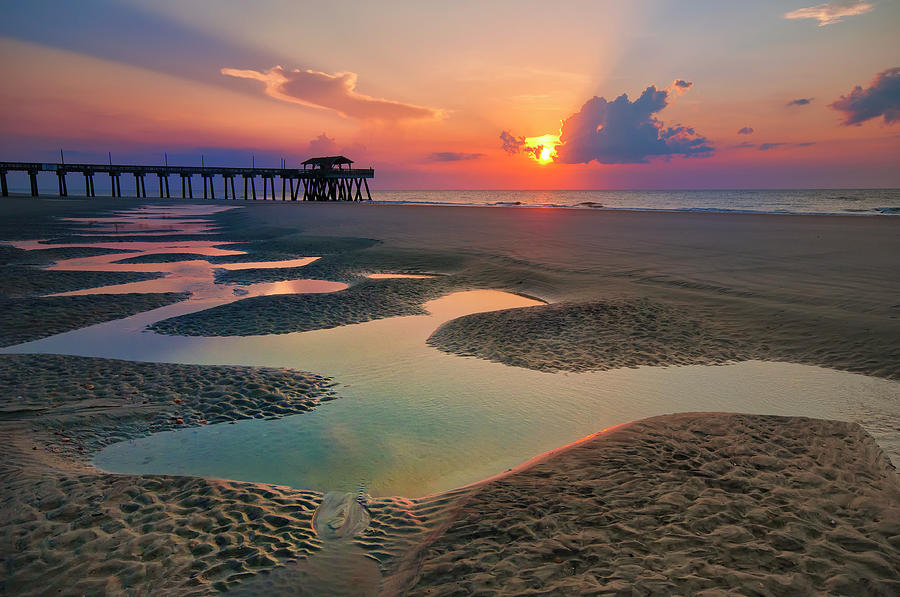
(601, 94)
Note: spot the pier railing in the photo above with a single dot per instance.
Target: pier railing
(319, 184)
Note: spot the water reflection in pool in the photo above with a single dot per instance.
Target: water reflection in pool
(412, 420)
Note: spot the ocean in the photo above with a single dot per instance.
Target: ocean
(870, 202)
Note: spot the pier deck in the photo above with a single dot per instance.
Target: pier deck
(318, 183)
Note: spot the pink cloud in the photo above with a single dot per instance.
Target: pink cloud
(335, 92)
(831, 12)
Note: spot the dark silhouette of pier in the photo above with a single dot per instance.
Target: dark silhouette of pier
(321, 179)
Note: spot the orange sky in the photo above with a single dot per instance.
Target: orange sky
(423, 93)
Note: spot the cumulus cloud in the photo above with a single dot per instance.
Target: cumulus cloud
(627, 132)
(745, 131)
(453, 156)
(880, 98)
(831, 12)
(511, 143)
(335, 92)
(803, 101)
(322, 145)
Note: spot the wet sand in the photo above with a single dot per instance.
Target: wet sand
(685, 503)
(807, 289)
(67, 526)
(709, 503)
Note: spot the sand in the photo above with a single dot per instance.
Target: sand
(31, 318)
(163, 258)
(709, 503)
(600, 335)
(282, 314)
(66, 525)
(808, 289)
(24, 281)
(10, 255)
(26, 314)
(95, 402)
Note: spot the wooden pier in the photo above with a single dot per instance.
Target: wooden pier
(321, 179)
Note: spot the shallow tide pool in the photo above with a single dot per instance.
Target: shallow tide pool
(412, 420)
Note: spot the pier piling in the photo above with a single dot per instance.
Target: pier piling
(61, 181)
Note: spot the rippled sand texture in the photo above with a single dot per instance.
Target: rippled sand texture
(63, 524)
(604, 335)
(83, 403)
(681, 504)
(96, 534)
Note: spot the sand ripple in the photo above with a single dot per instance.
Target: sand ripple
(682, 504)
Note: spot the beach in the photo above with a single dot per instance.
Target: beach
(684, 503)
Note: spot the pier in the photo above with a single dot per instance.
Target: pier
(321, 179)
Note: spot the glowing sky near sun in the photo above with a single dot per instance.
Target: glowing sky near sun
(469, 94)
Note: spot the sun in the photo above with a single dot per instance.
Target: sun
(542, 149)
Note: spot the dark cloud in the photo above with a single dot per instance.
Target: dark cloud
(678, 88)
(881, 98)
(323, 145)
(626, 132)
(803, 101)
(332, 92)
(453, 156)
(745, 131)
(768, 146)
(511, 143)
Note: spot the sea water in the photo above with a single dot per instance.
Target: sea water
(802, 201)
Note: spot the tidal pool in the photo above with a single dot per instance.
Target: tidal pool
(412, 420)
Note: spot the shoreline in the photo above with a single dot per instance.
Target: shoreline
(886, 211)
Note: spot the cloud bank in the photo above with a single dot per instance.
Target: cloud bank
(745, 131)
(454, 156)
(830, 13)
(771, 145)
(335, 92)
(626, 132)
(803, 101)
(880, 98)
